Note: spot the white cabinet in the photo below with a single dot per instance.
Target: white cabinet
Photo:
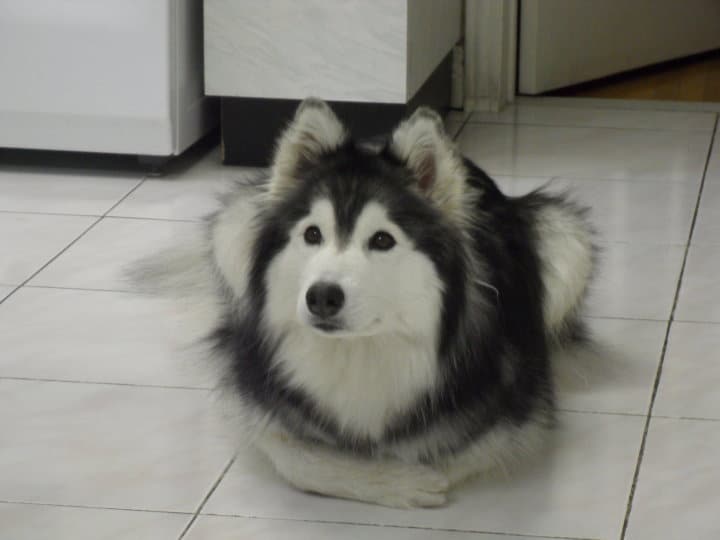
(116, 76)
(376, 60)
(341, 50)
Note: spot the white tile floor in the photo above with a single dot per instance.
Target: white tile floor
(109, 429)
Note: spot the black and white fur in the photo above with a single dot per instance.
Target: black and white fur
(435, 366)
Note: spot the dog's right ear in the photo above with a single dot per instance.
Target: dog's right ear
(314, 131)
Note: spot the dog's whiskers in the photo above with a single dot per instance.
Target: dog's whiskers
(487, 285)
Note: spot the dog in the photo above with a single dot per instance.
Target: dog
(385, 315)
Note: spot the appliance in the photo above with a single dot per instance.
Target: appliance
(111, 76)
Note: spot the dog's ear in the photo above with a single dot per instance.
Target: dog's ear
(314, 131)
(422, 144)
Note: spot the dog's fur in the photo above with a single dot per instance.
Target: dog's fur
(437, 366)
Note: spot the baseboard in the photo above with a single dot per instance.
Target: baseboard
(250, 126)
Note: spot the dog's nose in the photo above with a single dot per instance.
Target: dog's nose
(325, 299)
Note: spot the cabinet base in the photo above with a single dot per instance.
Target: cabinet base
(250, 126)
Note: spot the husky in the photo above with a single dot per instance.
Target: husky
(384, 314)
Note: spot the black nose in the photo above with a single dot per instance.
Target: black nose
(325, 299)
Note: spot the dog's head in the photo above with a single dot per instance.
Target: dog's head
(355, 241)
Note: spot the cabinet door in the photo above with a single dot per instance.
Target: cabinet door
(565, 42)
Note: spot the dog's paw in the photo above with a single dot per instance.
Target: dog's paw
(411, 487)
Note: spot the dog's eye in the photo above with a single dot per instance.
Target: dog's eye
(312, 235)
(381, 241)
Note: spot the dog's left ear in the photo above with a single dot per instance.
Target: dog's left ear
(313, 132)
(422, 144)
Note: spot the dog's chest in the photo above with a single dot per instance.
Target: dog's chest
(363, 383)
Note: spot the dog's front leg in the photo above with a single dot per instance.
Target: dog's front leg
(321, 470)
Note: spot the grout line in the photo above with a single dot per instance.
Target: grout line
(586, 126)
(52, 259)
(68, 214)
(37, 213)
(692, 321)
(8, 295)
(141, 218)
(639, 243)
(658, 374)
(606, 242)
(577, 178)
(73, 242)
(610, 318)
(511, 176)
(657, 181)
(691, 418)
(207, 497)
(117, 216)
(88, 289)
(92, 507)
(621, 105)
(135, 188)
(138, 181)
(462, 126)
(580, 180)
(106, 383)
(470, 532)
(602, 413)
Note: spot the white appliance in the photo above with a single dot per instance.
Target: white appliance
(116, 76)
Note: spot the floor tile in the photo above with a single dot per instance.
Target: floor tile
(32, 522)
(624, 210)
(29, 241)
(99, 259)
(96, 336)
(707, 228)
(453, 128)
(167, 198)
(691, 372)
(5, 290)
(454, 122)
(216, 527)
(109, 446)
(579, 490)
(456, 115)
(109, 437)
(189, 192)
(677, 494)
(700, 291)
(617, 374)
(713, 169)
(575, 152)
(590, 117)
(636, 281)
(515, 185)
(620, 104)
(63, 191)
